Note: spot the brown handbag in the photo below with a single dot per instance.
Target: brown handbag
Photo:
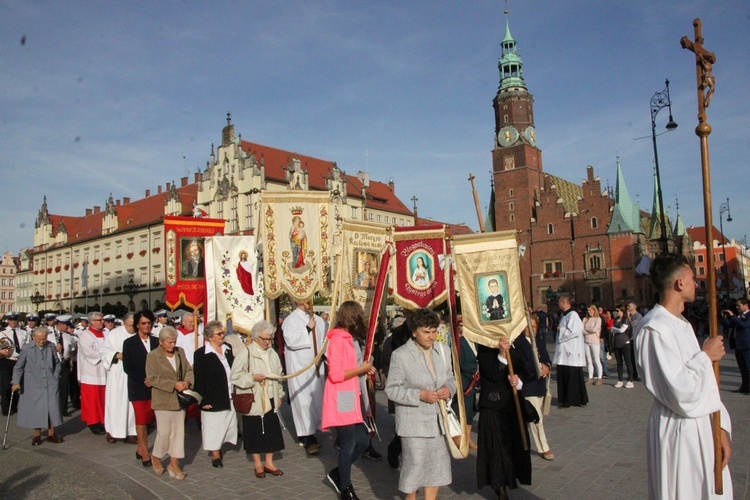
(243, 402)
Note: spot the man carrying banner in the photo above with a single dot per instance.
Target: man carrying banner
(303, 336)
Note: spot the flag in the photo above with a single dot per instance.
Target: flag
(419, 278)
(297, 243)
(234, 288)
(489, 284)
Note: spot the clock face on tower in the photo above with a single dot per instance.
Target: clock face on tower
(530, 135)
(507, 136)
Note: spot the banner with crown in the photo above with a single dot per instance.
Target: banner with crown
(234, 287)
(297, 242)
(185, 259)
(489, 284)
(418, 266)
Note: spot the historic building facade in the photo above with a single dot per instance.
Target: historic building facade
(584, 239)
(8, 283)
(113, 256)
(730, 264)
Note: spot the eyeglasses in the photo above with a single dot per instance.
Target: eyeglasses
(144, 322)
(220, 333)
(266, 339)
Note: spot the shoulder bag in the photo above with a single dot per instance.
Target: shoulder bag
(243, 401)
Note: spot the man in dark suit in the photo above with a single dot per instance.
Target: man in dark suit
(741, 324)
(495, 303)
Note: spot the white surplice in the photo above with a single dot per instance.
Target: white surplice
(680, 377)
(187, 342)
(119, 416)
(305, 390)
(570, 349)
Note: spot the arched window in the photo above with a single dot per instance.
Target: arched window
(595, 262)
(511, 206)
(594, 223)
(512, 218)
(550, 229)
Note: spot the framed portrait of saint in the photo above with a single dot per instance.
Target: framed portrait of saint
(366, 269)
(492, 297)
(421, 269)
(192, 252)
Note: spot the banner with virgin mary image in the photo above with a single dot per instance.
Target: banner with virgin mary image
(489, 284)
(297, 241)
(416, 263)
(234, 287)
(185, 259)
(363, 244)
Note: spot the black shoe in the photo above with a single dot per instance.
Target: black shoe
(66, 414)
(392, 458)
(312, 448)
(333, 478)
(97, 429)
(348, 494)
(217, 462)
(372, 453)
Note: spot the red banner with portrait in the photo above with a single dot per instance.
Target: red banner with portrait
(185, 254)
(418, 266)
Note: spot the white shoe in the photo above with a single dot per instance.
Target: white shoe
(629, 385)
(619, 384)
(609, 357)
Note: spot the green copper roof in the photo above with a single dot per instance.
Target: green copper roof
(625, 215)
(510, 64)
(654, 231)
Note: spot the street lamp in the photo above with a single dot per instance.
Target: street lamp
(724, 207)
(131, 289)
(659, 101)
(37, 299)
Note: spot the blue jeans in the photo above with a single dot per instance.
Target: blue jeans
(603, 358)
(353, 441)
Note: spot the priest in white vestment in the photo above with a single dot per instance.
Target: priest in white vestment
(680, 377)
(119, 416)
(91, 374)
(305, 390)
(186, 333)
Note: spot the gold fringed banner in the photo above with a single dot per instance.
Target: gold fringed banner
(297, 241)
(417, 264)
(363, 244)
(489, 284)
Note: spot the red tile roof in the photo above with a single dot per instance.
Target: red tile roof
(699, 234)
(450, 229)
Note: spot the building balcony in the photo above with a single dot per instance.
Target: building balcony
(592, 274)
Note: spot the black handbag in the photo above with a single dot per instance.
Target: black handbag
(186, 398)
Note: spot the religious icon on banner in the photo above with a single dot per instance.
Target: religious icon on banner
(297, 241)
(492, 290)
(366, 270)
(245, 274)
(192, 264)
(421, 269)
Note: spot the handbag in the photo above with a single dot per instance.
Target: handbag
(243, 401)
(452, 425)
(188, 397)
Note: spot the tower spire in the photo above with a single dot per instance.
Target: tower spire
(510, 63)
(625, 214)
(657, 212)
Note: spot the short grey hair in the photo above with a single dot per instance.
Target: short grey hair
(40, 329)
(211, 328)
(167, 333)
(128, 316)
(260, 327)
(94, 315)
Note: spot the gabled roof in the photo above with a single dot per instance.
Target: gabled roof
(568, 191)
(379, 195)
(132, 215)
(698, 234)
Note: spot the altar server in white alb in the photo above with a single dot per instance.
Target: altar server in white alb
(679, 374)
(91, 374)
(305, 390)
(119, 416)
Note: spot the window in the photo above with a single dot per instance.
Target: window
(369, 216)
(512, 218)
(131, 245)
(118, 249)
(10, 282)
(721, 257)
(703, 284)
(233, 217)
(511, 206)
(387, 219)
(700, 257)
(550, 229)
(701, 271)
(595, 262)
(594, 223)
(144, 242)
(248, 212)
(380, 218)
(553, 269)
(510, 193)
(354, 212)
(596, 294)
(144, 277)
(220, 209)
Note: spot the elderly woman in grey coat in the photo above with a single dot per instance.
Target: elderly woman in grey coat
(420, 374)
(36, 374)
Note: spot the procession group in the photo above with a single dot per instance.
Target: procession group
(145, 370)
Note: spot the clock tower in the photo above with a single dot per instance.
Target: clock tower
(516, 160)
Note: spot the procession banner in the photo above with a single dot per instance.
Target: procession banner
(234, 287)
(185, 254)
(489, 284)
(297, 243)
(416, 264)
(363, 244)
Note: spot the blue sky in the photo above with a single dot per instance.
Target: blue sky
(110, 96)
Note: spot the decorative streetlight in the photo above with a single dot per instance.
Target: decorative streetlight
(659, 101)
(724, 207)
(37, 299)
(131, 290)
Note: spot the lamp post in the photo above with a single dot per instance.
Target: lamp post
(659, 101)
(131, 289)
(37, 299)
(724, 207)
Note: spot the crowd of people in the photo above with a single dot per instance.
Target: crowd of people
(150, 370)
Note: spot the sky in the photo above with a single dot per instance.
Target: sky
(120, 97)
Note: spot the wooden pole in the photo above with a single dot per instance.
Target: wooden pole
(476, 203)
(705, 81)
(519, 415)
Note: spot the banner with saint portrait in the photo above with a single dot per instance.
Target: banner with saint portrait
(363, 244)
(185, 259)
(417, 266)
(488, 280)
(234, 288)
(297, 241)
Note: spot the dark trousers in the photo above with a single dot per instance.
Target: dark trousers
(74, 388)
(634, 373)
(353, 441)
(624, 354)
(743, 363)
(6, 375)
(64, 385)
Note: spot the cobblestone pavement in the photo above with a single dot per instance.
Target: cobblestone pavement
(600, 450)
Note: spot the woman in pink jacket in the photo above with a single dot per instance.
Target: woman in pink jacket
(342, 399)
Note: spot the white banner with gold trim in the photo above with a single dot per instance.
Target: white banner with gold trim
(297, 241)
(233, 285)
(488, 279)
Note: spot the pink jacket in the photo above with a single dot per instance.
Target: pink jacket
(341, 398)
